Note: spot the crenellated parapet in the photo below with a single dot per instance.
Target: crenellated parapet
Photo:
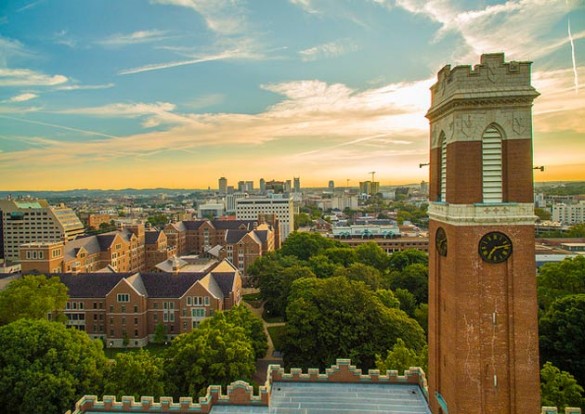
(492, 81)
(344, 372)
(553, 410)
(238, 393)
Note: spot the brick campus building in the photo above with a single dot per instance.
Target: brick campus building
(483, 338)
(125, 308)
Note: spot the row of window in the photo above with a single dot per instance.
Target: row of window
(198, 301)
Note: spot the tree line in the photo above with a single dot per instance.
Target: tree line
(46, 367)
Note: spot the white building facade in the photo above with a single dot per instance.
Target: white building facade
(283, 208)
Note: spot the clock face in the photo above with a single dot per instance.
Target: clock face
(441, 241)
(495, 247)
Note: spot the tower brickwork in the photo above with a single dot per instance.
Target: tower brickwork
(483, 333)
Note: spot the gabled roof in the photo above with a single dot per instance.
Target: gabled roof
(90, 244)
(262, 235)
(105, 240)
(136, 282)
(210, 283)
(91, 285)
(225, 281)
(194, 224)
(234, 224)
(151, 237)
(234, 236)
(167, 285)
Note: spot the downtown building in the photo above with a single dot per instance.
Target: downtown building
(34, 220)
(281, 209)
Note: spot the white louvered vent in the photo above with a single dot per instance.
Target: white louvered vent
(443, 168)
(492, 165)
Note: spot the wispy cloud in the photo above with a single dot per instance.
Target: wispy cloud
(30, 5)
(328, 50)
(307, 5)
(142, 36)
(27, 77)
(23, 97)
(575, 74)
(483, 29)
(66, 128)
(225, 17)
(83, 87)
(167, 65)
(63, 38)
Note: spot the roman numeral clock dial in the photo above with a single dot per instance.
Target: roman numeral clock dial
(495, 247)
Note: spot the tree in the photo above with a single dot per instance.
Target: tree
(302, 220)
(241, 316)
(335, 317)
(160, 334)
(399, 260)
(135, 373)
(556, 280)
(388, 298)
(562, 335)
(304, 245)
(373, 255)
(364, 273)
(322, 267)
(559, 388)
(414, 278)
(542, 214)
(407, 301)
(344, 256)
(578, 230)
(401, 358)
(217, 353)
(45, 367)
(32, 297)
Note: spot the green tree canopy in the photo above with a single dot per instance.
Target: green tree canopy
(135, 373)
(32, 297)
(556, 280)
(542, 214)
(562, 335)
(45, 367)
(559, 388)
(336, 317)
(241, 316)
(304, 245)
(364, 273)
(344, 256)
(322, 267)
(373, 255)
(399, 260)
(217, 353)
(402, 358)
(414, 278)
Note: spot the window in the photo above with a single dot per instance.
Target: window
(189, 301)
(135, 308)
(198, 313)
(135, 332)
(135, 321)
(206, 301)
(165, 317)
(155, 317)
(443, 141)
(123, 297)
(123, 308)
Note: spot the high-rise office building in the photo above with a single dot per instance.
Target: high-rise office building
(262, 185)
(222, 182)
(483, 330)
(34, 220)
(297, 184)
(331, 185)
(283, 208)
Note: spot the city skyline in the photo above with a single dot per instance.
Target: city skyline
(177, 93)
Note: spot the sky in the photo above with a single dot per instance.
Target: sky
(109, 94)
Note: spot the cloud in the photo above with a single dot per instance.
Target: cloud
(328, 50)
(29, 6)
(23, 97)
(84, 87)
(168, 65)
(225, 17)
(27, 77)
(306, 5)
(142, 36)
(485, 29)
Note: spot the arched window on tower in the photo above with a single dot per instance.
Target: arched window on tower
(491, 150)
(443, 158)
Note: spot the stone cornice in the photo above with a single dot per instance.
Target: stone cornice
(483, 214)
(463, 101)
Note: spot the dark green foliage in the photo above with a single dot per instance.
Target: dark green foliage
(135, 373)
(322, 267)
(363, 273)
(32, 297)
(542, 214)
(160, 334)
(399, 260)
(241, 316)
(401, 358)
(388, 298)
(344, 256)
(216, 353)
(407, 301)
(578, 230)
(556, 280)
(559, 388)
(373, 255)
(45, 367)
(414, 278)
(304, 245)
(337, 318)
(302, 220)
(562, 339)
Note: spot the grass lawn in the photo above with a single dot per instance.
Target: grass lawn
(253, 299)
(154, 349)
(268, 318)
(276, 333)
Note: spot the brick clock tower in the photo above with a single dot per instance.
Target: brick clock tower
(483, 331)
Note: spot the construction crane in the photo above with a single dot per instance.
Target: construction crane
(372, 172)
